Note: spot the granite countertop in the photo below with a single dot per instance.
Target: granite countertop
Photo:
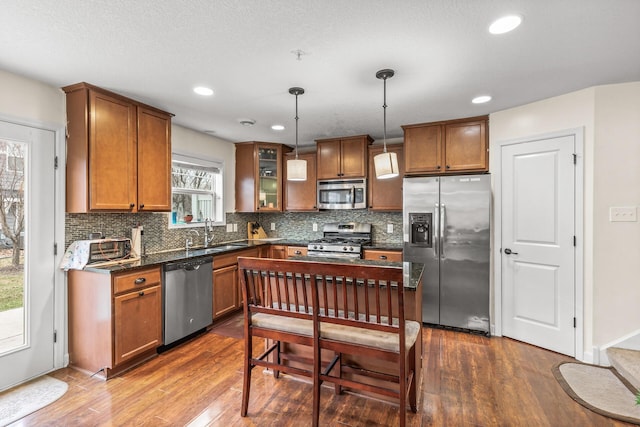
(160, 258)
(412, 270)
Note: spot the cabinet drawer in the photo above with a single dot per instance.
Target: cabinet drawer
(136, 280)
(296, 251)
(380, 255)
(225, 260)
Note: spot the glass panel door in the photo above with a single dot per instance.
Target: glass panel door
(268, 185)
(27, 261)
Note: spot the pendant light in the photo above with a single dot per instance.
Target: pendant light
(385, 163)
(296, 168)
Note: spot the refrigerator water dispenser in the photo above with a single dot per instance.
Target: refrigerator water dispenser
(421, 229)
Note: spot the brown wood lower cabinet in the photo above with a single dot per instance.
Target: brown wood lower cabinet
(115, 320)
(227, 296)
(296, 251)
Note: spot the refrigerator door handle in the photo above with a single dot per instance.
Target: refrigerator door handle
(442, 225)
(435, 233)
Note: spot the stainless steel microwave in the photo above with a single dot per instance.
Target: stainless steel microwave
(342, 194)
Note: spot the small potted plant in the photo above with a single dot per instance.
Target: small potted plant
(188, 218)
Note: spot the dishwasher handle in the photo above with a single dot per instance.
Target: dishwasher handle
(189, 265)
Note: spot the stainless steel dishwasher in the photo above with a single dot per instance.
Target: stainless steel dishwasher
(188, 297)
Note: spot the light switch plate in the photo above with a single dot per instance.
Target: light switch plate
(389, 228)
(315, 226)
(235, 227)
(623, 214)
(273, 226)
(229, 228)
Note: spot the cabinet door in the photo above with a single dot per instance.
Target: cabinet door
(423, 149)
(328, 160)
(154, 160)
(466, 147)
(138, 323)
(301, 195)
(385, 194)
(112, 153)
(278, 252)
(269, 181)
(353, 158)
(225, 290)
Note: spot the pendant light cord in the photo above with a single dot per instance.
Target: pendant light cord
(296, 126)
(384, 109)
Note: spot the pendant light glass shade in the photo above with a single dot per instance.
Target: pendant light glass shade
(296, 168)
(385, 163)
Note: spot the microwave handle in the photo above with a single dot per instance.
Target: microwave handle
(353, 196)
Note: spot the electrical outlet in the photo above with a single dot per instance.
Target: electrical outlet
(623, 214)
(235, 227)
(389, 228)
(229, 228)
(315, 226)
(273, 226)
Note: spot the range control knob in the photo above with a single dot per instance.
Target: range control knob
(351, 248)
(344, 248)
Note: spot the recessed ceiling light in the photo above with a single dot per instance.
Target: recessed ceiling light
(481, 99)
(505, 24)
(247, 122)
(204, 91)
(277, 127)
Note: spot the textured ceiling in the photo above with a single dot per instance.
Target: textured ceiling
(156, 51)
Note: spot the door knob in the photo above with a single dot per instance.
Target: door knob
(509, 252)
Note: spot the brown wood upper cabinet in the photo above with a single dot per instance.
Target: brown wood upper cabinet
(454, 146)
(301, 195)
(385, 194)
(343, 157)
(118, 153)
(259, 176)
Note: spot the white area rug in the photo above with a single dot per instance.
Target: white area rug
(599, 389)
(26, 398)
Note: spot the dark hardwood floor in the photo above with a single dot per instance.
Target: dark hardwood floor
(469, 380)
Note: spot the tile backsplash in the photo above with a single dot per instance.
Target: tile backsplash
(289, 225)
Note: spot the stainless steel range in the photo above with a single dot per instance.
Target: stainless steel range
(341, 240)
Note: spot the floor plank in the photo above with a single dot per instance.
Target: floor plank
(468, 380)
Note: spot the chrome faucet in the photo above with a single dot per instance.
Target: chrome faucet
(189, 242)
(207, 239)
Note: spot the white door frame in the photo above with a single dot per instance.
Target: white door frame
(578, 134)
(60, 350)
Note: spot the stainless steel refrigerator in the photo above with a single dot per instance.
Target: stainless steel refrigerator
(446, 226)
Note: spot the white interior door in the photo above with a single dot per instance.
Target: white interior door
(537, 248)
(27, 349)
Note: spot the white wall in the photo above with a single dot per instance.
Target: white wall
(616, 245)
(610, 117)
(31, 101)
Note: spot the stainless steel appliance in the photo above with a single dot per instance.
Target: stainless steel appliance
(341, 240)
(342, 194)
(446, 227)
(188, 297)
(105, 250)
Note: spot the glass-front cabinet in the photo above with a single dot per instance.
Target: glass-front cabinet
(259, 176)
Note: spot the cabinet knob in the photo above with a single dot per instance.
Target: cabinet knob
(142, 206)
(132, 205)
(383, 257)
(448, 167)
(298, 252)
(140, 280)
(141, 293)
(438, 167)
